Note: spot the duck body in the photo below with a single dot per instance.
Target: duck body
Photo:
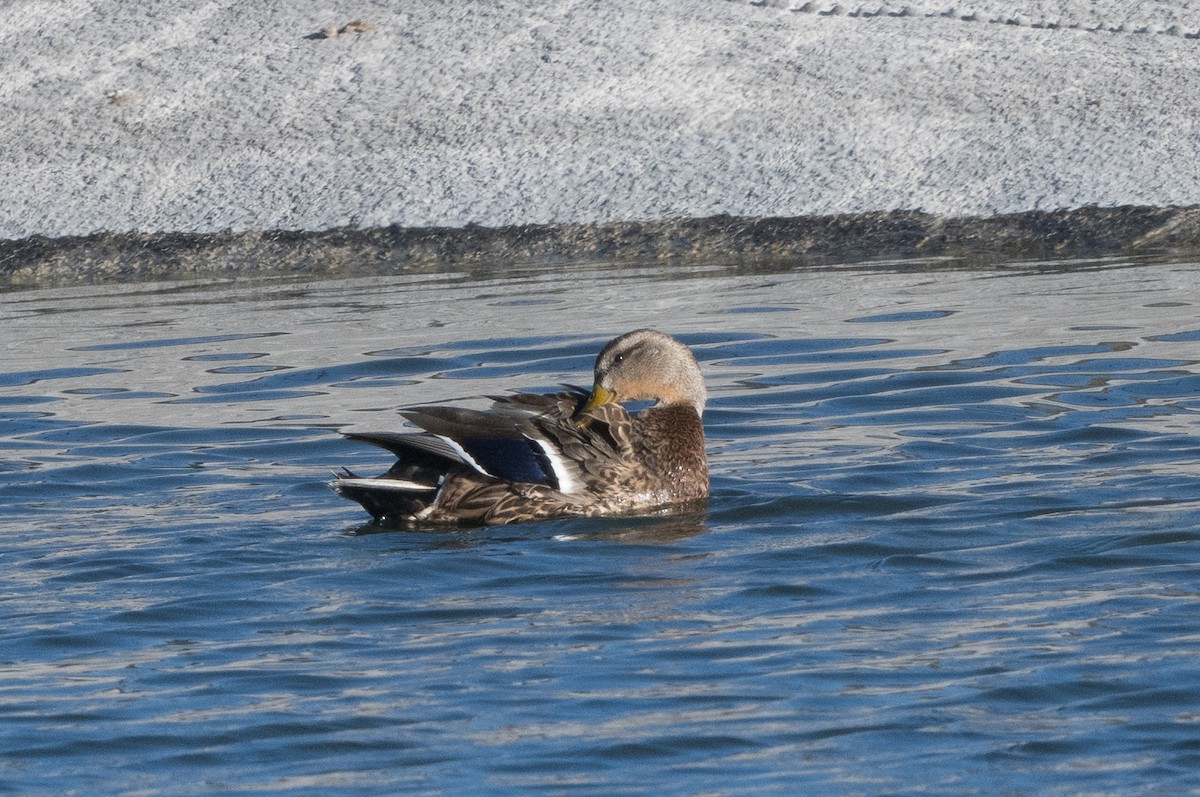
(576, 453)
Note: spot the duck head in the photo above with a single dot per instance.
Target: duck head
(647, 365)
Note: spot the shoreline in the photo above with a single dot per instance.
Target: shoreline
(789, 242)
(214, 119)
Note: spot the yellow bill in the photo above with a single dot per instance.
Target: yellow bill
(598, 397)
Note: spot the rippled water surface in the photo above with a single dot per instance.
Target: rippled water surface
(952, 547)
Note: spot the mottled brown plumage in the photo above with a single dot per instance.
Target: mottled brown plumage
(570, 454)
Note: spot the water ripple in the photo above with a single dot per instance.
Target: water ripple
(956, 556)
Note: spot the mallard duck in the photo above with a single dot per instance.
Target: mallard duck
(574, 453)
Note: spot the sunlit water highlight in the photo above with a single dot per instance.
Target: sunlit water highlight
(952, 547)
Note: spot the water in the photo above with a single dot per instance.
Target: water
(952, 547)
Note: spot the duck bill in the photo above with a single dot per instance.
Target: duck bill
(598, 397)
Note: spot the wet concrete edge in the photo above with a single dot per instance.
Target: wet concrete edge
(801, 242)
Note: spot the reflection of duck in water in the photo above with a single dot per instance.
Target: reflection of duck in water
(569, 454)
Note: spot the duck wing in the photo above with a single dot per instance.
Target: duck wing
(529, 455)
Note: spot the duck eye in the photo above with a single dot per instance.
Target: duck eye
(618, 359)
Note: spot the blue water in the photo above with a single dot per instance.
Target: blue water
(952, 547)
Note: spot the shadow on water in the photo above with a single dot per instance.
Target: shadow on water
(665, 527)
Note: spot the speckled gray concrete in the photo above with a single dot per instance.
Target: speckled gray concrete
(192, 116)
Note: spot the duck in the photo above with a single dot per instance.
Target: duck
(533, 456)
